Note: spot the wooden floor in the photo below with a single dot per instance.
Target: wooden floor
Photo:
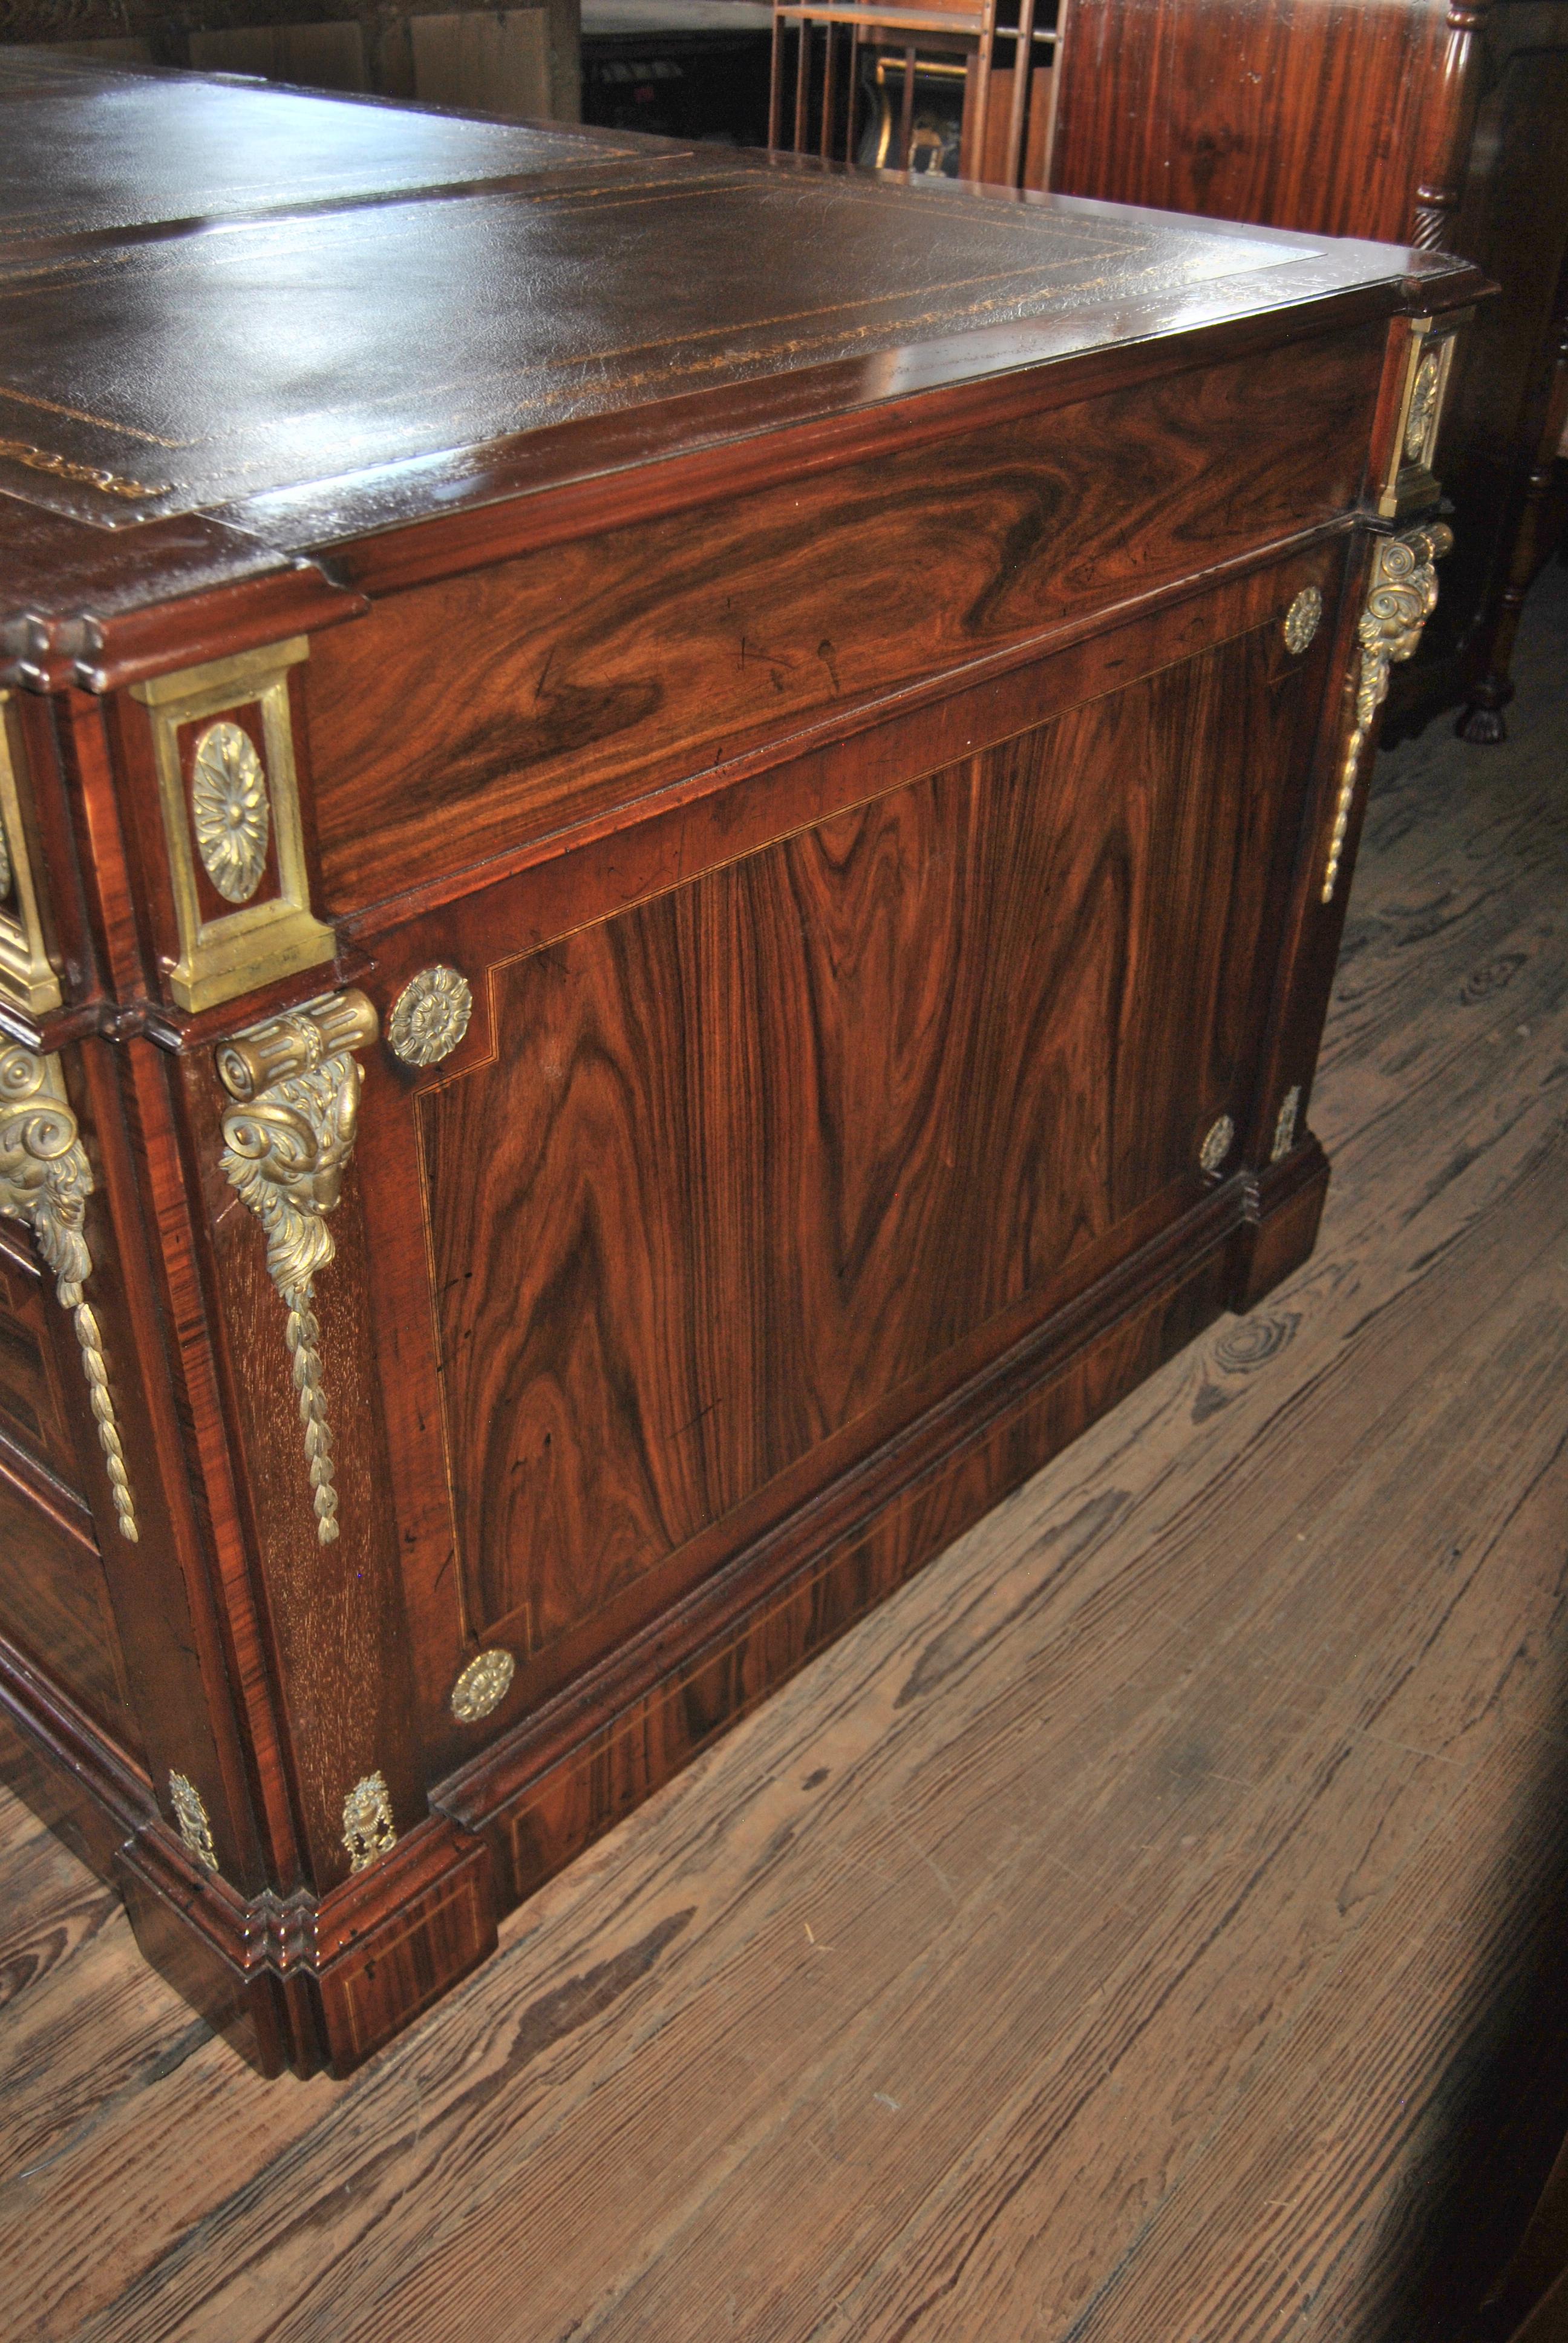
(1149, 1928)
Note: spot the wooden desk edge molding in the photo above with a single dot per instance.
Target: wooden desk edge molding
(285, 906)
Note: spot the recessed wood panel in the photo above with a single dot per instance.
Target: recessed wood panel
(751, 1157)
(30, 1411)
(54, 1606)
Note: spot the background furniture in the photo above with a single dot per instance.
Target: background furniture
(668, 904)
(1439, 123)
(518, 61)
(927, 78)
(683, 69)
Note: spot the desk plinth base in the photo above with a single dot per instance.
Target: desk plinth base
(306, 1983)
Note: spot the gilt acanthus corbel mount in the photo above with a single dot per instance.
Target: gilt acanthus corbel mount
(1401, 598)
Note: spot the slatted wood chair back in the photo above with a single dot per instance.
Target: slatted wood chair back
(817, 93)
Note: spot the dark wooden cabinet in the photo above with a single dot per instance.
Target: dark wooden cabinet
(679, 69)
(1441, 123)
(516, 60)
(675, 829)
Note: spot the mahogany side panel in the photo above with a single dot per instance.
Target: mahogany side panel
(525, 913)
(555, 685)
(1318, 117)
(55, 1600)
(1497, 449)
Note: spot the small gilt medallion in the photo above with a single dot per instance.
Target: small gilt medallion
(1218, 1142)
(229, 811)
(192, 1817)
(483, 1686)
(1303, 619)
(1286, 1128)
(368, 1826)
(430, 1016)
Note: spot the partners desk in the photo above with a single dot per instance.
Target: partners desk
(674, 828)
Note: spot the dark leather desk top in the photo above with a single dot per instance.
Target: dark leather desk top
(173, 147)
(305, 319)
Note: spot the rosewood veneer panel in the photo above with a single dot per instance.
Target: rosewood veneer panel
(1310, 115)
(637, 655)
(750, 1158)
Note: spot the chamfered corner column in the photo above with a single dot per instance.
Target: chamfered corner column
(248, 1080)
(1391, 589)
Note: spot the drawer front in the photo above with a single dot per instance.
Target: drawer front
(462, 719)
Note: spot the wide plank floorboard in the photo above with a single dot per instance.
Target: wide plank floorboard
(1143, 1930)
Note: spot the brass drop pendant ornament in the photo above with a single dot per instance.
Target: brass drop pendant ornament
(287, 1146)
(1285, 1124)
(1401, 598)
(191, 1815)
(369, 1829)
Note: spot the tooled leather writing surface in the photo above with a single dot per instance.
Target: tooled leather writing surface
(490, 281)
(173, 148)
(199, 369)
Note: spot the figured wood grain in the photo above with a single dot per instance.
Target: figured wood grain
(751, 1158)
(1415, 120)
(504, 923)
(1123, 1932)
(303, 1685)
(1264, 112)
(593, 670)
